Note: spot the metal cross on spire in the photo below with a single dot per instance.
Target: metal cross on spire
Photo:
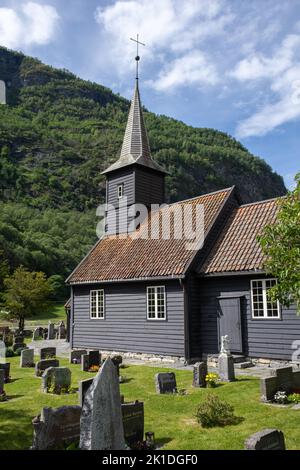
(137, 58)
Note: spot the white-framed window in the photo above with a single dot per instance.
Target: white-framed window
(120, 190)
(262, 306)
(97, 304)
(156, 303)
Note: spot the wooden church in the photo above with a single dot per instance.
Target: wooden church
(154, 296)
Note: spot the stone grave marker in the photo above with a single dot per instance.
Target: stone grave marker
(199, 374)
(267, 439)
(133, 422)
(85, 364)
(51, 331)
(284, 378)
(84, 385)
(27, 358)
(47, 353)
(61, 332)
(225, 362)
(268, 388)
(101, 426)
(56, 378)
(17, 346)
(6, 367)
(37, 333)
(56, 427)
(2, 381)
(43, 364)
(165, 382)
(94, 358)
(75, 356)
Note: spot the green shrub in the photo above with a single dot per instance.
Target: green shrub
(9, 352)
(215, 412)
(294, 398)
(18, 351)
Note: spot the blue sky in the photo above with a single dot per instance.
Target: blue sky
(233, 65)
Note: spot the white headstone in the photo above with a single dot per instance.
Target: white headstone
(2, 352)
(2, 92)
(101, 424)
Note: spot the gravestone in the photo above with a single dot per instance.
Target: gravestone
(267, 439)
(37, 333)
(165, 382)
(133, 422)
(61, 333)
(2, 381)
(27, 358)
(47, 353)
(6, 367)
(43, 364)
(284, 378)
(225, 361)
(199, 374)
(17, 346)
(268, 388)
(19, 339)
(45, 333)
(85, 364)
(56, 378)
(101, 426)
(56, 427)
(94, 358)
(2, 92)
(51, 331)
(84, 385)
(75, 356)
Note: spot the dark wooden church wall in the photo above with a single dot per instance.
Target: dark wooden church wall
(269, 338)
(125, 327)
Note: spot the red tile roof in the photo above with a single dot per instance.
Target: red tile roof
(237, 248)
(120, 258)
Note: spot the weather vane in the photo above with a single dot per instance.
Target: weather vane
(137, 58)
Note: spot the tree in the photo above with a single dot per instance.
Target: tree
(4, 269)
(26, 294)
(281, 244)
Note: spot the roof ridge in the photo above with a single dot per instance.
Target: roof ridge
(202, 195)
(261, 202)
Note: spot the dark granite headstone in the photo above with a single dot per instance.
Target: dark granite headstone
(6, 367)
(2, 381)
(47, 353)
(51, 331)
(17, 346)
(284, 378)
(268, 439)
(27, 358)
(94, 358)
(85, 363)
(56, 427)
(84, 385)
(268, 388)
(75, 356)
(165, 382)
(42, 365)
(133, 422)
(199, 374)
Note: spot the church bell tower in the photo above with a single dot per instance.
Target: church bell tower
(135, 178)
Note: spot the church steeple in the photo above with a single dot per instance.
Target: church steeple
(135, 147)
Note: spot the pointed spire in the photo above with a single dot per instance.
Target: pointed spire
(135, 147)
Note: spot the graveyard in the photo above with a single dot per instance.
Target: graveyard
(170, 416)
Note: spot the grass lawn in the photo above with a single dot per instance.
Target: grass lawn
(55, 314)
(170, 417)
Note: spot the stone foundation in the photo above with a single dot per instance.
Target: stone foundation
(144, 357)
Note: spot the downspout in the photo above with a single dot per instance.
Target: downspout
(72, 318)
(187, 353)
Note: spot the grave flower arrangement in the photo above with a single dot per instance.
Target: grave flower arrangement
(94, 368)
(211, 380)
(281, 397)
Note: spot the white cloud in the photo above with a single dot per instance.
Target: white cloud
(30, 24)
(167, 27)
(192, 69)
(282, 72)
